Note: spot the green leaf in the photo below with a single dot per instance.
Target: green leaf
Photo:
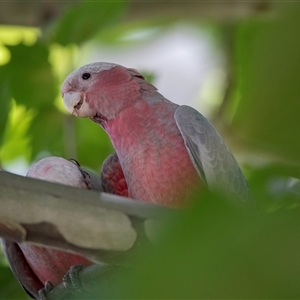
(16, 141)
(83, 20)
(32, 81)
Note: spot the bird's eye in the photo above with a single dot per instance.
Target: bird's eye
(86, 76)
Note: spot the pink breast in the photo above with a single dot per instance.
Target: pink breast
(153, 156)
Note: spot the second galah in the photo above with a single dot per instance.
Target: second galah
(35, 265)
(164, 150)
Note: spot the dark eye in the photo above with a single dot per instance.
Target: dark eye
(86, 76)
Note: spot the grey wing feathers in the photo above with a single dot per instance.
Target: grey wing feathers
(211, 157)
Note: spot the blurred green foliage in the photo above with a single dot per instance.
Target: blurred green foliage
(31, 80)
(83, 21)
(215, 252)
(212, 251)
(10, 288)
(268, 67)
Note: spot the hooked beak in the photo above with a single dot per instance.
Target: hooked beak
(76, 104)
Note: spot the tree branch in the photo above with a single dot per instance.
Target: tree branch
(100, 226)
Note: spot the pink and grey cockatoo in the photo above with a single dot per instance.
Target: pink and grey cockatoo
(163, 149)
(32, 265)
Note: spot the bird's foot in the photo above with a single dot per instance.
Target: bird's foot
(72, 280)
(85, 175)
(43, 293)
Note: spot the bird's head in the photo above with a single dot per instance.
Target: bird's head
(101, 90)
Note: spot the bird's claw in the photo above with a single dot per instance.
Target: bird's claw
(44, 292)
(72, 281)
(86, 176)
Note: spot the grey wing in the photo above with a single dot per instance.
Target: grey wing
(211, 157)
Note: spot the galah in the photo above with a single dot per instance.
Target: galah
(164, 150)
(32, 265)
